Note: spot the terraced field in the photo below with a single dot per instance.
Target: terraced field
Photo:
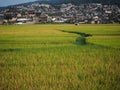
(43, 57)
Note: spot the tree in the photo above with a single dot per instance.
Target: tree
(8, 17)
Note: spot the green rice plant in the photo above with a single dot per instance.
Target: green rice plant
(81, 40)
(41, 57)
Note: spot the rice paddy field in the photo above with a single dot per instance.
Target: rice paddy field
(42, 57)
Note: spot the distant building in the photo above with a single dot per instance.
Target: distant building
(24, 21)
(92, 13)
(36, 19)
(43, 19)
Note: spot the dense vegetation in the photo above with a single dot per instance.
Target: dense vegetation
(42, 57)
(112, 2)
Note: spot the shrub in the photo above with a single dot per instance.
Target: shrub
(81, 40)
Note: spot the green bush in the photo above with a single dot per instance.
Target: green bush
(81, 40)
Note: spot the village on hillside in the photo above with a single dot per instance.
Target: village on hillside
(93, 13)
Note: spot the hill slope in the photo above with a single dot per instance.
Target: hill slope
(86, 1)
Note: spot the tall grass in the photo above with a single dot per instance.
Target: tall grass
(41, 57)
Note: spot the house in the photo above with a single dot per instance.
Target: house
(69, 19)
(108, 12)
(13, 20)
(36, 19)
(19, 15)
(24, 20)
(43, 19)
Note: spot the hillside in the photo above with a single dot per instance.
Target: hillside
(76, 2)
(85, 1)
